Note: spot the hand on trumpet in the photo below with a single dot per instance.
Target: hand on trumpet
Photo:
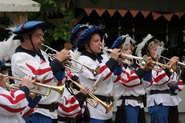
(26, 81)
(172, 84)
(84, 90)
(149, 65)
(115, 54)
(63, 55)
(173, 61)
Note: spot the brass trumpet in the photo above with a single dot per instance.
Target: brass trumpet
(70, 65)
(178, 63)
(108, 107)
(144, 61)
(58, 89)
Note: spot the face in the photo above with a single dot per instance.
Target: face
(152, 51)
(95, 44)
(38, 38)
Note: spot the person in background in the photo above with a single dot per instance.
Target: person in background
(175, 88)
(76, 111)
(129, 91)
(30, 59)
(157, 81)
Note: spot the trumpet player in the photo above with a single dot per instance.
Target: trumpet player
(30, 59)
(72, 105)
(129, 91)
(100, 81)
(157, 81)
(14, 103)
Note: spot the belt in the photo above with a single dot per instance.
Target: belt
(159, 92)
(105, 98)
(138, 98)
(67, 119)
(52, 107)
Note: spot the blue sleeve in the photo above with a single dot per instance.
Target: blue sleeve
(33, 102)
(148, 76)
(60, 74)
(174, 88)
(118, 70)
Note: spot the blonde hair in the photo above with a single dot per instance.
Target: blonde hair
(153, 43)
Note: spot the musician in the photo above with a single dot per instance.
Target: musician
(128, 90)
(76, 111)
(72, 105)
(75, 33)
(14, 103)
(175, 88)
(157, 81)
(30, 59)
(100, 83)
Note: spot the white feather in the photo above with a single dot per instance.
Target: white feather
(7, 47)
(76, 54)
(140, 46)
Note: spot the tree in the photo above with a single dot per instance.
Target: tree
(58, 16)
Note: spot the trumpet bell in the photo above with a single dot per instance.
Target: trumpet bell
(108, 107)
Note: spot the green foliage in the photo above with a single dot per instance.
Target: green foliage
(54, 9)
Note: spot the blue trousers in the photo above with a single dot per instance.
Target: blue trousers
(159, 113)
(39, 118)
(131, 114)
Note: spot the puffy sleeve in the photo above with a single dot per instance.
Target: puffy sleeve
(12, 102)
(129, 78)
(105, 70)
(70, 106)
(159, 77)
(24, 64)
(179, 83)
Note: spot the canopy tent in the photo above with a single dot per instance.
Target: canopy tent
(157, 8)
(19, 6)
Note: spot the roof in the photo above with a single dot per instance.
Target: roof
(19, 6)
(155, 8)
(142, 5)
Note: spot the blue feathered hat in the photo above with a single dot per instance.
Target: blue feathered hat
(83, 38)
(29, 26)
(76, 30)
(120, 40)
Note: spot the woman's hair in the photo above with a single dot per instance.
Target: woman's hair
(154, 42)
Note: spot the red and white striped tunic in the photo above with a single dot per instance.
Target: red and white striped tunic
(12, 104)
(26, 64)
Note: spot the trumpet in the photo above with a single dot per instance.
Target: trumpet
(139, 60)
(144, 61)
(108, 107)
(70, 65)
(58, 89)
(178, 63)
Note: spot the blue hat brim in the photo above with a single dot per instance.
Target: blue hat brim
(74, 33)
(83, 38)
(29, 26)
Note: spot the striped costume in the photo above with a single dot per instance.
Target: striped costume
(129, 93)
(29, 63)
(13, 106)
(102, 83)
(158, 96)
